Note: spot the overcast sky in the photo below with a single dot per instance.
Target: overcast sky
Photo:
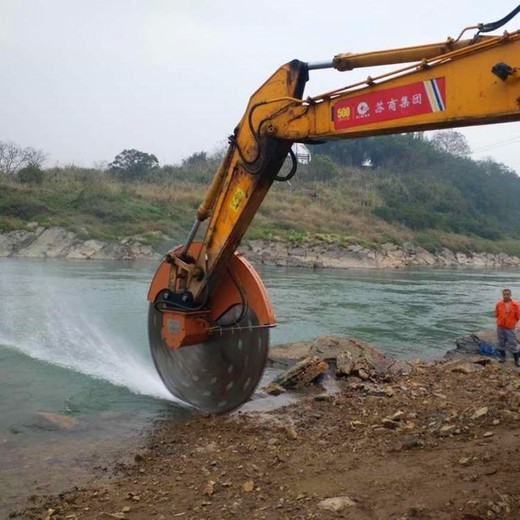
(85, 79)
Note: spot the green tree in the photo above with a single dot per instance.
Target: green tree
(452, 142)
(322, 168)
(196, 159)
(30, 174)
(133, 164)
(402, 151)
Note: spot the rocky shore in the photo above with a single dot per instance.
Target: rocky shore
(55, 242)
(356, 256)
(369, 439)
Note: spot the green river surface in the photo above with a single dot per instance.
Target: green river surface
(73, 341)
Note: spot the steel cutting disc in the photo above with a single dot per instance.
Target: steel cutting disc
(220, 374)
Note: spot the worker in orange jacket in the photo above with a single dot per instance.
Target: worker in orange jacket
(507, 314)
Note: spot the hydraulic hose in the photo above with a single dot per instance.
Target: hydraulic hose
(488, 27)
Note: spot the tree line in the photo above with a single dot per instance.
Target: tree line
(408, 179)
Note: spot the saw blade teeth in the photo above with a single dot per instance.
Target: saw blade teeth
(216, 376)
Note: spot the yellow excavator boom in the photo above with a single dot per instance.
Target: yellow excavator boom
(206, 302)
(476, 83)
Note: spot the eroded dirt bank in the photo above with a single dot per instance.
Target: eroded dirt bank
(439, 441)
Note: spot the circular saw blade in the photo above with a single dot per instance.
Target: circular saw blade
(220, 374)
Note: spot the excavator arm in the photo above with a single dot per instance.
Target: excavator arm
(209, 314)
(476, 84)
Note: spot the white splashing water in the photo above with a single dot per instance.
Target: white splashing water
(60, 329)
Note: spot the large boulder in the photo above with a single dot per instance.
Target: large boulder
(346, 356)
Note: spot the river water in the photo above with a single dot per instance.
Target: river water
(73, 341)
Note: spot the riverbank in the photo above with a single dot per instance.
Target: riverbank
(436, 440)
(55, 242)
(388, 256)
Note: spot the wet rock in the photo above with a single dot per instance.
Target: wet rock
(348, 356)
(447, 429)
(248, 486)
(303, 373)
(344, 364)
(209, 488)
(411, 442)
(322, 398)
(273, 389)
(375, 390)
(209, 448)
(482, 360)
(400, 367)
(291, 433)
(480, 413)
(288, 353)
(509, 415)
(355, 355)
(390, 424)
(398, 416)
(466, 368)
(362, 373)
(54, 421)
(336, 504)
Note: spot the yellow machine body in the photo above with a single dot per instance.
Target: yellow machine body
(450, 84)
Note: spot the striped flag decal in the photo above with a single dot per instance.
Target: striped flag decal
(434, 95)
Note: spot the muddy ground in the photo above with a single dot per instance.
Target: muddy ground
(440, 442)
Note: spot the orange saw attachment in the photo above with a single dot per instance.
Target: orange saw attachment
(210, 353)
(185, 328)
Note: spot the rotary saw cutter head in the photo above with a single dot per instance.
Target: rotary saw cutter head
(212, 354)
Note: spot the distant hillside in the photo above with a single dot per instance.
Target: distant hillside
(371, 191)
(427, 188)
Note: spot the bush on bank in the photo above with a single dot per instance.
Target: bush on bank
(368, 191)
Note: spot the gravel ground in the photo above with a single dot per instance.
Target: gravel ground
(440, 442)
